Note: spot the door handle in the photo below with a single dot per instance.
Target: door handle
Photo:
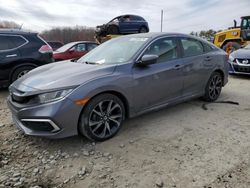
(208, 58)
(11, 55)
(177, 67)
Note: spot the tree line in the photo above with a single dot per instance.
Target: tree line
(62, 34)
(208, 35)
(82, 33)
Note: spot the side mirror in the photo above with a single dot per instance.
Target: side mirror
(148, 60)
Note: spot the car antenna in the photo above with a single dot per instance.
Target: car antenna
(21, 26)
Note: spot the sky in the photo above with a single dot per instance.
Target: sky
(179, 15)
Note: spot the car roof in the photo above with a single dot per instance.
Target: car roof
(77, 42)
(128, 15)
(157, 34)
(16, 32)
(154, 35)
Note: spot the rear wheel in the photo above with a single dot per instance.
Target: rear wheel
(213, 87)
(19, 72)
(113, 30)
(102, 118)
(234, 46)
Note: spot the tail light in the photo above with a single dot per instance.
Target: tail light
(45, 49)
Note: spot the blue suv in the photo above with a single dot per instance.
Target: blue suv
(125, 24)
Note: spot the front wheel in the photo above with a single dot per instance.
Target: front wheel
(20, 72)
(213, 87)
(143, 30)
(102, 117)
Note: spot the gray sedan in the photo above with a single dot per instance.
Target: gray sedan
(122, 78)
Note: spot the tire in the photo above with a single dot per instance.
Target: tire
(113, 30)
(143, 30)
(213, 87)
(106, 113)
(235, 46)
(19, 72)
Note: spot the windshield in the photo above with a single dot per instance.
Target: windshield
(247, 46)
(115, 51)
(65, 47)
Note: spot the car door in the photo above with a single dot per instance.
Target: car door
(159, 83)
(196, 64)
(9, 54)
(125, 24)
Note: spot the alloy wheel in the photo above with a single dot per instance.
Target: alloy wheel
(22, 73)
(105, 118)
(215, 87)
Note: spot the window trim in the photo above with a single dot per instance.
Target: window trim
(12, 35)
(146, 47)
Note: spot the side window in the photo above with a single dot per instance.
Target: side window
(17, 41)
(165, 48)
(191, 47)
(5, 43)
(91, 46)
(80, 47)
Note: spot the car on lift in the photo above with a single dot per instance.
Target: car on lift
(125, 24)
(21, 52)
(73, 50)
(239, 61)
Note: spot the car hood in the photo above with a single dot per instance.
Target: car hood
(241, 54)
(61, 75)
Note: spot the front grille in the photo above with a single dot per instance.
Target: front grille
(244, 61)
(244, 69)
(38, 126)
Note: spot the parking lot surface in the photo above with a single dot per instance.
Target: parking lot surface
(181, 146)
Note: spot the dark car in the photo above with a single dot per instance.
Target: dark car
(20, 52)
(125, 24)
(124, 77)
(55, 44)
(73, 50)
(239, 61)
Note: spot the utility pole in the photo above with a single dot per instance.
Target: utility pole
(161, 19)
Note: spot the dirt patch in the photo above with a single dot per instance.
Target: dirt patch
(182, 146)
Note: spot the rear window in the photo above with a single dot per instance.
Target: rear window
(191, 47)
(18, 41)
(5, 43)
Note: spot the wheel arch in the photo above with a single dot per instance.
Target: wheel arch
(239, 41)
(19, 66)
(221, 73)
(113, 92)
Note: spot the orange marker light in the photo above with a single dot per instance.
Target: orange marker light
(81, 101)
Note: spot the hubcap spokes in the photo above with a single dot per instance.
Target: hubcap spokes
(215, 87)
(105, 118)
(22, 73)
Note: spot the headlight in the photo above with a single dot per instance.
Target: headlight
(52, 96)
(231, 59)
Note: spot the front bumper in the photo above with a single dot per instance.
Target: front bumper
(53, 120)
(239, 69)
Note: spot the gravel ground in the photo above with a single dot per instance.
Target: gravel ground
(181, 146)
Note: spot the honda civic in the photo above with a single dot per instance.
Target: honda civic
(122, 78)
